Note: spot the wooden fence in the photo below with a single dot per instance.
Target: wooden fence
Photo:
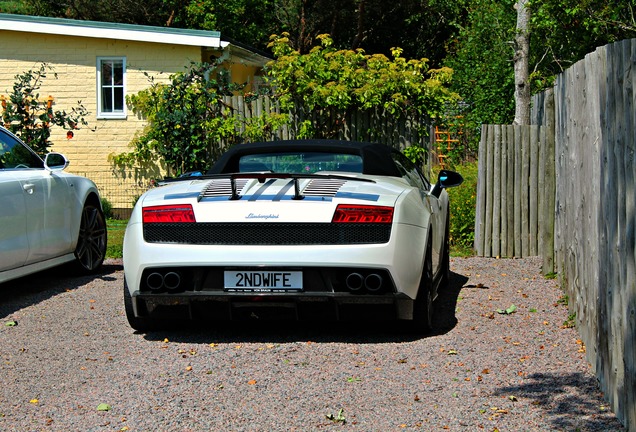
(515, 192)
(593, 124)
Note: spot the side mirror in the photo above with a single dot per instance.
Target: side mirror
(446, 179)
(55, 162)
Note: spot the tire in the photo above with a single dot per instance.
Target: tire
(423, 306)
(445, 263)
(137, 323)
(92, 240)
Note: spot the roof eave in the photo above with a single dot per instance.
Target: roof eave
(107, 31)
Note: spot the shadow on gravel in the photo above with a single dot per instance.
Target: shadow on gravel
(566, 399)
(372, 332)
(28, 290)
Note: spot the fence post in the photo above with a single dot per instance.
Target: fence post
(549, 191)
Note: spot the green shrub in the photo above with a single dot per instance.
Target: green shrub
(107, 208)
(462, 210)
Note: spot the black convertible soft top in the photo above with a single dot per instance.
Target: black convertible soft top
(376, 158)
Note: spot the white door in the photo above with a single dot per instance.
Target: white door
(14, 246)
(38, 217)
(48, 213)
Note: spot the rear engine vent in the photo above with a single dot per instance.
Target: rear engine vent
(323, 187)
(222, 187)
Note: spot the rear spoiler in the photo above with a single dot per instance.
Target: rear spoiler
(262, 176)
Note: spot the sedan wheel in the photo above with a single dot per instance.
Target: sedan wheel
(91, 244)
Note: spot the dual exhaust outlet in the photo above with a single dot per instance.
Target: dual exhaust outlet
(356, 282)
(157, 281)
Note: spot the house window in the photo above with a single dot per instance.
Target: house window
(111, 87)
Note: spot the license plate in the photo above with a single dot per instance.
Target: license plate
(263, 281)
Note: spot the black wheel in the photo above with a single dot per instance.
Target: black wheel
(423, 306)
(91, 243)
(137, 323)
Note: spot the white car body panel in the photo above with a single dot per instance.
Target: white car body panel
(14, 247)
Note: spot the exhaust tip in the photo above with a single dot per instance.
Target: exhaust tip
(373, 282)
(354, 282)
(172, 280)
(154, 281)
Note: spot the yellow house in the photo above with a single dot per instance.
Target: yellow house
(99, 64)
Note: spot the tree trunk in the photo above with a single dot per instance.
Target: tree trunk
(522, 48)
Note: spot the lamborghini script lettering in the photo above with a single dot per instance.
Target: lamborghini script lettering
(261, 216)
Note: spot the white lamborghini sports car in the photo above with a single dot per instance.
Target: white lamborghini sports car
(298, 230)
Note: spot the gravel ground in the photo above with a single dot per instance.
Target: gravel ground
(72, 351)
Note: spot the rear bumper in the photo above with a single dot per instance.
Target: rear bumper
(222, 306)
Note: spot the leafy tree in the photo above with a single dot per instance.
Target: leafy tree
(145, 12)
(563, 32)
(328, 83)
(189, 122)
(482, 58)
(420, 28)
(13, 7)
(28, 115)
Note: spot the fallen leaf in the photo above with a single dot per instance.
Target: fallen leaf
(251, 382)
(103, 407)
(188, 368)
(34, 401)
(513, 398)
(11, 323)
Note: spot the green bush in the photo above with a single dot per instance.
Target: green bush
(107, 208)
(462, 210)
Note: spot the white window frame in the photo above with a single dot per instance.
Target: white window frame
(101, 114)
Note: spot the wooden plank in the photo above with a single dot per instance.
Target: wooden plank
(533, 193)
(496, 194)
(525, 178)
(549, 188)
(480, 203)
(503, 180)
(489, 192)
(510, 191)
(517, 188)
(630, 283)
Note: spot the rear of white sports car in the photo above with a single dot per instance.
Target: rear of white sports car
(263, 245)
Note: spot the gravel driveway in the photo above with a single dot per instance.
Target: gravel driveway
(72, 363)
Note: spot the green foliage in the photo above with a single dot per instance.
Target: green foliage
(463, 203)
(31, 116)
(107, 208)
(326, 84)
(13, 7)
(482, 59)
(187, 119)
(564, 31)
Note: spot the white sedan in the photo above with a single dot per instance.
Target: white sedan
(300, 230)
(47, 217)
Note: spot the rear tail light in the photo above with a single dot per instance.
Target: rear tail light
(362, 214)
(168, 213)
